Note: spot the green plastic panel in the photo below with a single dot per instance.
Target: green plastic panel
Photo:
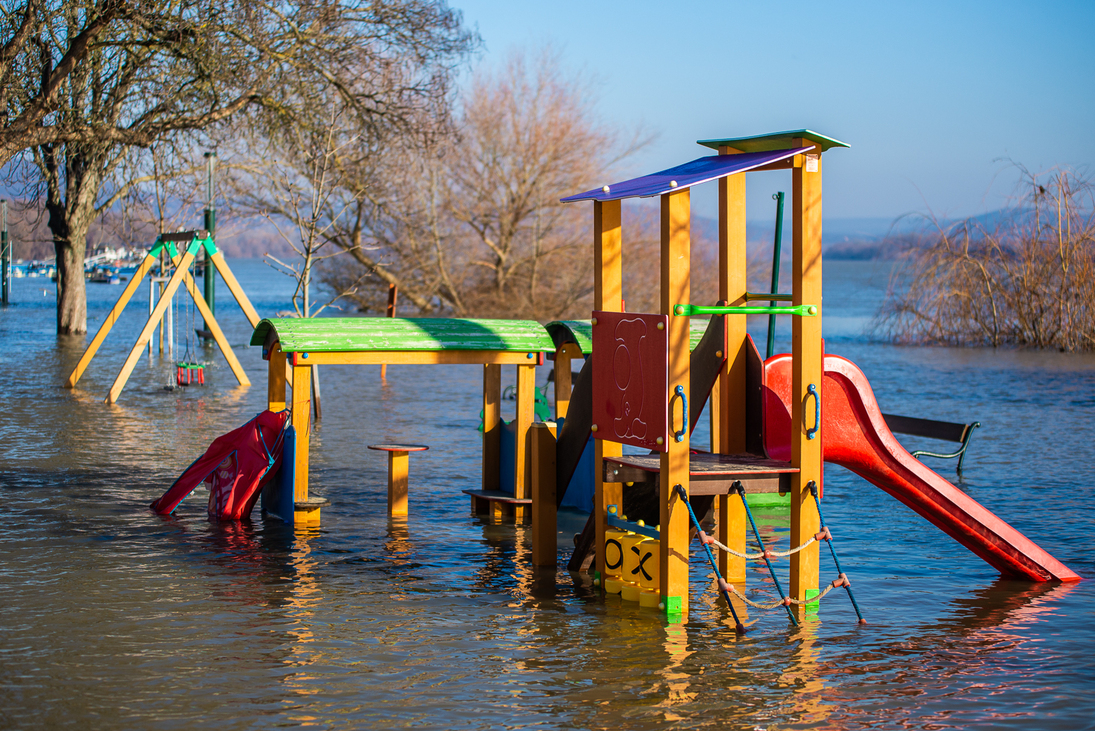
(356, 334)
(774, 141)
(580, 332)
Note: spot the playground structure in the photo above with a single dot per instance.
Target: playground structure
(294, 346)
(191, 243)
(645, 380)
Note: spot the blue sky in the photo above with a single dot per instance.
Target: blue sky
(932, 96)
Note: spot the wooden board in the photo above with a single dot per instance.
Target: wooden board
(353, 334)
(704, 464)
(631, 379)
(710, 474)
(574, 433)
(497, 497)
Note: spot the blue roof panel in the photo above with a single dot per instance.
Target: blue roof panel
(700, 170)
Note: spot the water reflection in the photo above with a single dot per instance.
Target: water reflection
(123, 619)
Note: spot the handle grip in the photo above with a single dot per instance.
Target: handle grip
(679, 435)
(811, 432)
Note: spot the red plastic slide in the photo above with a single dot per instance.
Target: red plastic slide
(854, 435)
(234, 468)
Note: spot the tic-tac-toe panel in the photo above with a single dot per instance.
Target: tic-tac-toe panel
(631, 378)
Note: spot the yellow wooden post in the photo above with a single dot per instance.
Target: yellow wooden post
(733, 282)
(235, 288)
(545, 525)
(275, 380)
(300, 419)
(676, 289)
(146, 333)
(607, 297)
(130, 289)
(492, 427)
(522, 458)
(563, 356)
(398, 467)
(806, 368)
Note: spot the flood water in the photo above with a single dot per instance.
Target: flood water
(114, 617)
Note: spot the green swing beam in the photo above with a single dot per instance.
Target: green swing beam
(800, 310)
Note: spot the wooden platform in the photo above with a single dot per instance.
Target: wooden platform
(709, 474)
(495, 496)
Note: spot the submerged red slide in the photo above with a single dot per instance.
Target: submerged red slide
(854, 435)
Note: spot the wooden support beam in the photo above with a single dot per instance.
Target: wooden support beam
(607, 297)
(275, 380)
(398, 468)
(733, 269)
(733, 283)
(492, 428)
(146, 333)
(563, 356)
(301, 421)
(522, 459)
(732, 532)
(112, 317)
(675, 289)
(545, 524)
(424, 357)
(235, 288)
(806, 348)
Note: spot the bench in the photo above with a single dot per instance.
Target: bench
(943, 430)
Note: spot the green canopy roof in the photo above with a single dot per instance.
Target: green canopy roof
(355, 334)
(580, 332)
(774, 141)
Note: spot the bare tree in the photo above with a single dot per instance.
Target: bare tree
(302, 193)
(26, 108)
(168, 67)
(474, 225)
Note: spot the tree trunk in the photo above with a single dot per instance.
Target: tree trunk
(70, 218)
(71, 285)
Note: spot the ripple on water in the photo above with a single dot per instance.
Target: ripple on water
(119, 618)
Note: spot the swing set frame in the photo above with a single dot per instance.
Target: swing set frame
(191, 242)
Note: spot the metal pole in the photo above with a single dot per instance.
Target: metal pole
(151, 308)
(393, 292)
(776, 246)
(211, 227)
(5, 254)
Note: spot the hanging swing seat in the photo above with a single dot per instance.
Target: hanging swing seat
(189, 374)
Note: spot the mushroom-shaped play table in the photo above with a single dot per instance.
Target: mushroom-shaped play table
(398, 460)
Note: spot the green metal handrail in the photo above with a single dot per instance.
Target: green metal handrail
(800, 310)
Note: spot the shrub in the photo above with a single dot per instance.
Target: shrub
(1027, 281)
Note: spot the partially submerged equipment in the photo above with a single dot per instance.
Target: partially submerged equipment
(304, 343)
(235, 468)
(192, 242)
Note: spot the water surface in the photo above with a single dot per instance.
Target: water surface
(117, 618)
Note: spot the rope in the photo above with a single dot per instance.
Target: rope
(741, 493)
(764, 553)
(786, 601)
